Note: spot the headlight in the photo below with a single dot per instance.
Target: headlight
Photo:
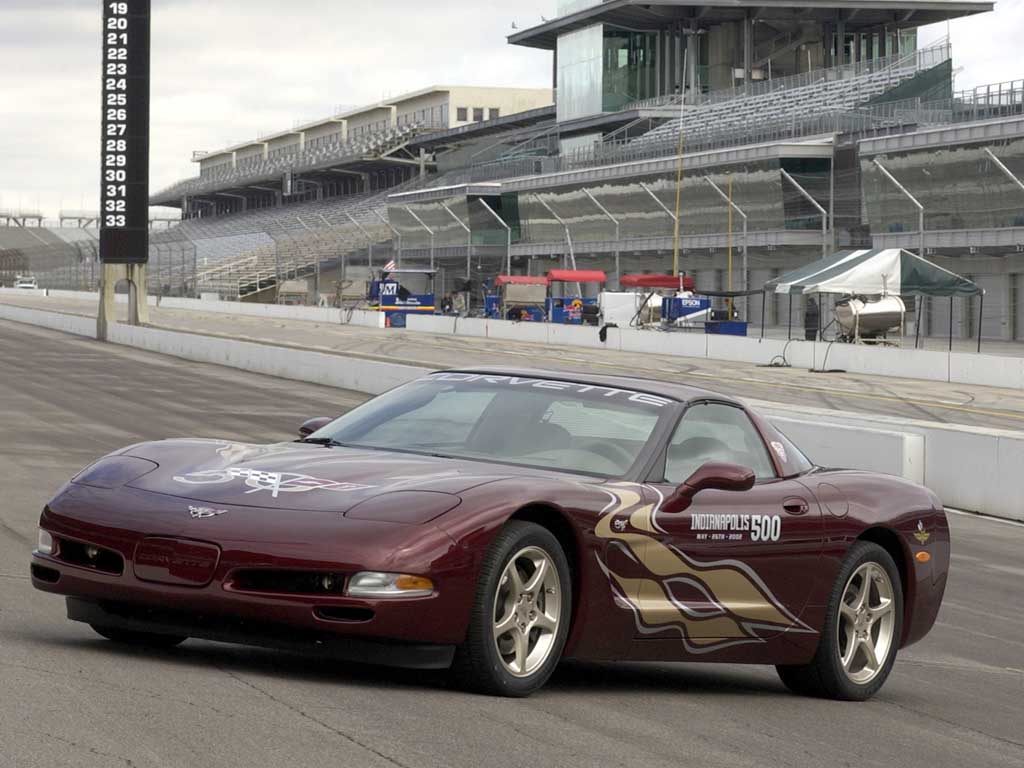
(45, 545)
(375, 584)
(114, 471)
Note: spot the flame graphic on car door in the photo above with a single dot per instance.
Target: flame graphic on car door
(736, 601)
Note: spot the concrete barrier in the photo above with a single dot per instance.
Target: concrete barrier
(971, 468)
(58, 321)
(369, 376)
(876, 450)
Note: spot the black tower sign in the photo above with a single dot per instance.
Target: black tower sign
(124, 197)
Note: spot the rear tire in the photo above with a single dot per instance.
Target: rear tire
(139, 639)
(520, 615)
(862, 631)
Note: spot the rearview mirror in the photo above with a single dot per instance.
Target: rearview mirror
(312, 425)
(718, 476)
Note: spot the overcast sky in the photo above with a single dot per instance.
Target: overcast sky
(225, 70)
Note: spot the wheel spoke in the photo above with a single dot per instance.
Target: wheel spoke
(864, 593)
(515, 581)
(507, 624)
(544, 622)
(537, 579)
(881, 610)
(871, 660)
(521, 646)
(848, 612)
(846, 659)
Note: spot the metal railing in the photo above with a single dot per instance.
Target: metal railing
(308, 159)
(880, 119)
(918, 61)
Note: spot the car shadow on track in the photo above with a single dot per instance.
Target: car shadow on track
(626, 677)
(593, 678)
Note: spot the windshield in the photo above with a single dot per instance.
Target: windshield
(556, 425)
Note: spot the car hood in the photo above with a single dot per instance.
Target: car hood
(299, 476)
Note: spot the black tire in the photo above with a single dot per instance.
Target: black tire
(477, 665)
(824, 676)
(140, 639)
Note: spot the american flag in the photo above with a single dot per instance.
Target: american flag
(390, 266)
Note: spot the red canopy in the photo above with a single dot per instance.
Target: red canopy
(655, 281)
(577, 276)
(521, 280)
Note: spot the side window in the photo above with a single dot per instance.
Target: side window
(715, 432)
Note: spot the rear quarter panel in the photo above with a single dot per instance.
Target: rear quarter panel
(892, 511)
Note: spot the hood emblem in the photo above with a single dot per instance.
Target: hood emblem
(201, 513)
(260, 480)
(922, 535)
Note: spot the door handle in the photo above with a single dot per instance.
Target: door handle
(795, 506)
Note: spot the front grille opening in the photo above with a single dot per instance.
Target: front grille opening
(291, 582)
(49, 575)
(343, 613)
(90, 556)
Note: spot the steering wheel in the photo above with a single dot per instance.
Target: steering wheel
(613, 452)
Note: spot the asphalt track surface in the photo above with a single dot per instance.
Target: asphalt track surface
(904, 398)
(69, 698)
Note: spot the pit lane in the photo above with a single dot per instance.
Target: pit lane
(72, 699)
(971, 405)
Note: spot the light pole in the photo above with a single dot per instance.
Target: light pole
(508, 235)
(809, 198)
(469, 238)
(618, 239)
(395, 232)
(428, 229)
(568, 237)
(920, 248)
(743, 216)
(369, 240)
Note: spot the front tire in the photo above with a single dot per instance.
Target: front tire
(520, 616)
(141, 639)
(863, 626)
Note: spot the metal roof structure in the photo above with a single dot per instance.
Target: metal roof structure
(643, 14)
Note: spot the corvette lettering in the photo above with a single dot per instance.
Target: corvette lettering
(275, 482)
(567, 386)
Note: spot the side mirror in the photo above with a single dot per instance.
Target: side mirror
(718, 476)
(312, 425)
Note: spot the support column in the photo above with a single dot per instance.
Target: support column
(828, 37)
(692, 56)
(748, 49)
(138, 309)
(840, 43)
(883, 35)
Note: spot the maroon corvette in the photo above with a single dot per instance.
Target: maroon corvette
(495, 522)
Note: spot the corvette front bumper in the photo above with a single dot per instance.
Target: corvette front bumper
(227, 629)
(190, 582)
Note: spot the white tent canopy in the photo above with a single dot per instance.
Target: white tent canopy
(874, 272)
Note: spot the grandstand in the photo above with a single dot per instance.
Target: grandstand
(796, 110)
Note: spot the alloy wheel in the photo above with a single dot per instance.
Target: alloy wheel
(527, 611)
(867, 621)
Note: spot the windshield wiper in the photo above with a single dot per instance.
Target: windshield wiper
(328, 442)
